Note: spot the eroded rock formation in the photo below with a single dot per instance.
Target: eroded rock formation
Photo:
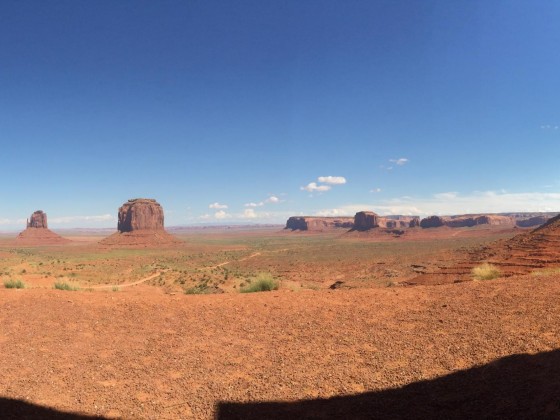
(414, 222)
(140, 224)
(38, 233)
(311, 223)
(533, 221)
(38, 220)
(431, 222)
(140, 214)
(365, 220)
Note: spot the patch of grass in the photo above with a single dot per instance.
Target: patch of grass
(14, 284)
(546, 272)
(115, 289)
(485, 271)
(62, 285)
(263, 283)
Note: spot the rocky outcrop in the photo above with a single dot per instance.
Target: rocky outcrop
(310, 223)
(533, 221)
(38, 220)
(466, 221)
(414, 222)
(140, 214)
(37, 232)
(365, 220)
(431, 222)
(140, 225)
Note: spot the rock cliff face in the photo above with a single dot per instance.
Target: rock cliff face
(414, 222)
(533, 221)
(432, 221)
(310, 223)
(365, 220)
(140, 214)
(38, 220)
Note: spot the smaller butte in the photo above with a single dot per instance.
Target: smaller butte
(140, 224)
(38, 233)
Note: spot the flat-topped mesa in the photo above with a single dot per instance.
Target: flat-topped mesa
(432, 221)
(311, 223)
(467, 221)
(38, 220)
(365, 220)
(140, 214)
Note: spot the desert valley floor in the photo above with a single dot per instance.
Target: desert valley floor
(362, 326)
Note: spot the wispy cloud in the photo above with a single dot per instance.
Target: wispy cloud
(375, 190)
(313, 187)
(550, 127)
(399, 162)
(332, 180)
(217, 206)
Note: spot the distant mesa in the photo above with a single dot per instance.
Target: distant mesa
(365, 220)
(368, 220)
(38, 233)
(140, 224)
(310, 223)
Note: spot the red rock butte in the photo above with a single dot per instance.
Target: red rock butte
(140, 224)
(37, 232)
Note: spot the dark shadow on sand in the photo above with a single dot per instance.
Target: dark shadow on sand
(17, 409)
(514, 387)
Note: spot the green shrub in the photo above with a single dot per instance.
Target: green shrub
(485, 271)
(61, 285)
(14, 284)
(263, 283)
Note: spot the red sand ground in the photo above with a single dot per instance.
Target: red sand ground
(420, 352)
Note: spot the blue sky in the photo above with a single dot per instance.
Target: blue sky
(409, 107)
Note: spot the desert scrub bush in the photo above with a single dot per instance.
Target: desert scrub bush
(62, 285)
(485, 271)
(263, 283)
(14, 284)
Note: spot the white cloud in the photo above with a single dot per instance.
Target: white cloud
(217, 206)
(332, 180)
(400, 161)
(222, 215)
(550, 127)
(259, 204)
(73, 219)
(272, 199)
(375, 190)
(312, 187)
(205, 217)
(249, 214)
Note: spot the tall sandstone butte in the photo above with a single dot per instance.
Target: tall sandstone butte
(140, 224)
(38, 220)
(38, 233)
(140, 214)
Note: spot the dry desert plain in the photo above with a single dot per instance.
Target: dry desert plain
(363, 325)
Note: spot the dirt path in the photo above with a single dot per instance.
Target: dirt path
(134, 283)
(229, 262)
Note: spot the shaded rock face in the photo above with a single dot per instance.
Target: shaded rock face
(140, 214)
(533, 221)
(38, 220)
(319, 223)
(432, 221)
(414, 222)
(365, 220)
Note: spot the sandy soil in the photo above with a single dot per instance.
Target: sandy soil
(433, 351)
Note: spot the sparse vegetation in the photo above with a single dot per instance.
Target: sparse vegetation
(14, 284)
(263, 283)
(115, 289)
(61, 285)
(546, 272)
(485, 271)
